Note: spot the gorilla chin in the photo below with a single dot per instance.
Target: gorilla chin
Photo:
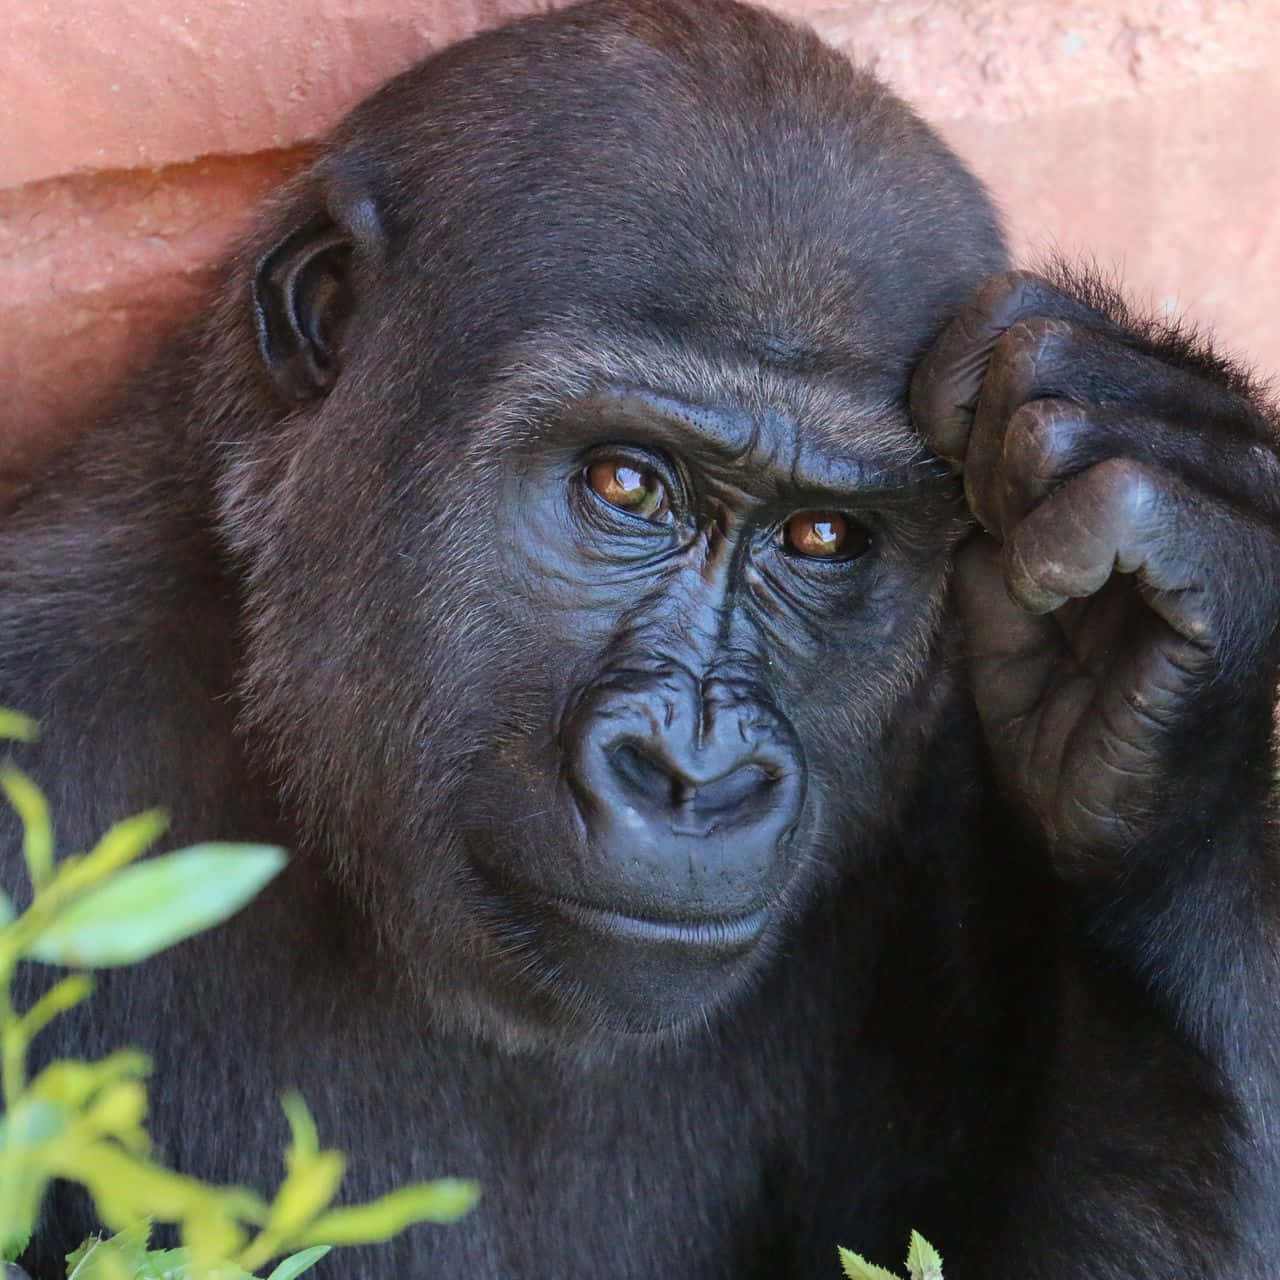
(653, 965)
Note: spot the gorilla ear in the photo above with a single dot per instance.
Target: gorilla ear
(304, 292)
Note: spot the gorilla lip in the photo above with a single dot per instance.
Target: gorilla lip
(705, 938)
(723, 934)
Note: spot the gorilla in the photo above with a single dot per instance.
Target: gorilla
(771, 709)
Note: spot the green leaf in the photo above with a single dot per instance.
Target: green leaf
(71, 1083)
(306, 1141)
(77, 1257)
(154, 1264)
(125, 1187)
(211, 1236)
(170, 1264)
(923, 1260)
(31, 1123)
(145, 908)
(17, 727)
(294, 1265)
(21, 1191)
(307, 1191)
(163, 1264)
(101, 1262)
(37, 830)
(444, 1200)
(126, 1255)
(26, 1133)
(857, 1267)
(118, 1112)
(124, 842)
(128, 1246)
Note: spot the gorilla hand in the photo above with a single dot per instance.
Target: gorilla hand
(1121, 614)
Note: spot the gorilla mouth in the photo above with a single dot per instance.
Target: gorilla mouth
(637, 973)
(722, 936)
(698, 935)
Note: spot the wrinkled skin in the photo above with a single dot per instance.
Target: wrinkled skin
(771, 709)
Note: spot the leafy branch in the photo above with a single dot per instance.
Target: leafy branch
(84, 1121)
(923, 1263)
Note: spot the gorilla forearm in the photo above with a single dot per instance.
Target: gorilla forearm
(1195, 924)
(1120, 612)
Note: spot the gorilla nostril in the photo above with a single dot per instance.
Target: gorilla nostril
(644, 777)
(745, 786)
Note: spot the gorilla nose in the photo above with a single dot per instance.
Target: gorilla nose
(695, 794)
(688, 791)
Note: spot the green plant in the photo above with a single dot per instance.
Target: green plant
(83, 1121)
(923, 1263)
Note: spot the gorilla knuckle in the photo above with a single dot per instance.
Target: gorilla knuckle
(1132, 490)
(1041, 342)
(1009, 293)
(1043, 437)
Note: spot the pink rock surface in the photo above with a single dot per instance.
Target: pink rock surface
(1176, 191)
(143, 83)
(93, 272)
(134, 134)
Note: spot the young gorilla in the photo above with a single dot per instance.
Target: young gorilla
(544, 536)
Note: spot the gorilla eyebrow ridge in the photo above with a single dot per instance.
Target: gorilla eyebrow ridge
(871, 459)
(855, 434)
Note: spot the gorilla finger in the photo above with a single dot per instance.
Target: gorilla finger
(1070, 545)
(1197, 561)
(1013, 654)
(1047, 442)
(944, 389)
(1026, 357)
(1049, 358)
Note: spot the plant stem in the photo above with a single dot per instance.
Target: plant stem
(13, 1044)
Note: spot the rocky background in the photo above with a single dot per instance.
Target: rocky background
(135, 135)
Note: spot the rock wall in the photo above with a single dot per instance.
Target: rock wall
(135, 134)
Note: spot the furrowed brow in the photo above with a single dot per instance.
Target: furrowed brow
(853, 450)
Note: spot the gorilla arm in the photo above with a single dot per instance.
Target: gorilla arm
(1120, 616)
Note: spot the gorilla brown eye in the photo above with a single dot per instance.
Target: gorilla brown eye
(824, 535)
(629, 487)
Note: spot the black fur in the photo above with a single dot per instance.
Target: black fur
(320, 577)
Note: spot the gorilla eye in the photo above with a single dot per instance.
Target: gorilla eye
(629, 487)
(824, 535)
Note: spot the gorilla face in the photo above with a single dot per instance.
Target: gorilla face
(721, 604)
(631, 553)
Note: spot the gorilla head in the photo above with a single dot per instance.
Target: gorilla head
(596, 554)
